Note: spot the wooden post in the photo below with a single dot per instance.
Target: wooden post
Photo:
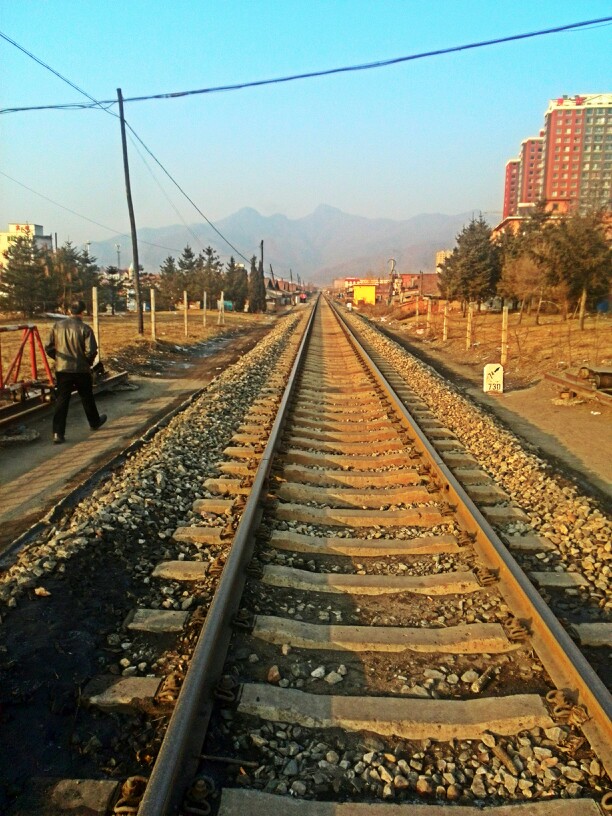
(469, 335)
(204, 310)
(445, 323)
(582, 312)
(153, 327)
(185, 309)
(95, 316)
(428, 323)
(504, 337)
(417, 313)
(221, 320)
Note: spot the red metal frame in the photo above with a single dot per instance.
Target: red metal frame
(31, 339)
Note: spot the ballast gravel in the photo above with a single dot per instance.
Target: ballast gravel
(557, 511)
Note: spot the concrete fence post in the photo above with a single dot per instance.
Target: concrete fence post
(221, 319)
(95, 317)
(504, 336)
(469, 334)
(185, 309)
(153, 326)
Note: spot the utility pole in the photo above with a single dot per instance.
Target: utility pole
(128, 191)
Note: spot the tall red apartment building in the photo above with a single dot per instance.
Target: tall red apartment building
(531, 170)
(569, 165)
(511, 187)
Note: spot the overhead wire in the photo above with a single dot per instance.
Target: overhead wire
(106, 104)
(111, 113)
(163, 191)
(84, 217)
(96, 103)
(193, 204)
(313, 74)
(197, 239)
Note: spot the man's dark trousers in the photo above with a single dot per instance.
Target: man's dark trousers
(66, 381)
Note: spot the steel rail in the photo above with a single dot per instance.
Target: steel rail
(565, 663)
(192, 711)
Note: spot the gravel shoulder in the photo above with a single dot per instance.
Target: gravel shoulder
(575, 436)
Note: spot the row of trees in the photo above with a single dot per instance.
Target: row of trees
(564, 261)
(33, 279)
(196, 274)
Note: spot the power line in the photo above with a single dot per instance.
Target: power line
(194, 205)
(312, 74)
(57, 74)
(84, 217)
(101, 106)
(163, 192)
(196, 238)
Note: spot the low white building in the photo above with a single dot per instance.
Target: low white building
(16, 231)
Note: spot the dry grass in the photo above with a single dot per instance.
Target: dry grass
(120, 344)
(554, 345)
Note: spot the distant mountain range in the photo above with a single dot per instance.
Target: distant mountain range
(322, 246)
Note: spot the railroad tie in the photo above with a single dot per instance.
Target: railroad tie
(403, 717)
(446, 583)
(238, 802)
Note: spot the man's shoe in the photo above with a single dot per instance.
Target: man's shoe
(58, 439)
(101, 422)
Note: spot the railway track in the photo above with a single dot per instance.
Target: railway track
(368, 643)
(385, 647)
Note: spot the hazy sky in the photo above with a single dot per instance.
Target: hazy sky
(424, 136)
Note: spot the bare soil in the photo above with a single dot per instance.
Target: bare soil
(122, 348)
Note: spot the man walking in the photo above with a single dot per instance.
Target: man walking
(72, 344)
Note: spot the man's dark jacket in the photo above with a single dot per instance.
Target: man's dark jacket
(72, 344)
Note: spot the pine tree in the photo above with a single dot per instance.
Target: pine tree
(67, 267)
(187, 276)
(89, 276)
(261, 287)
(254, 289)
(472, 271)
(170, 284)
(236, 284)
(212, 275)
(23, 277)
(578, 259)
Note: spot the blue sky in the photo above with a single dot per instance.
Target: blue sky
(425, 136)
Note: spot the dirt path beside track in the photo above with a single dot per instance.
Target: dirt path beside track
(35, 476)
